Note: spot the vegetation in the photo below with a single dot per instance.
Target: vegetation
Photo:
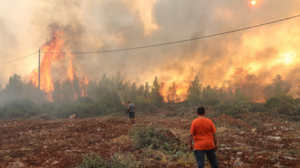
(173, 97)
(23, 100)
(155, 95)
(278, 87)
(194, 92)
(92, 160)
(160, 144)
(149, 136)
(255, 120)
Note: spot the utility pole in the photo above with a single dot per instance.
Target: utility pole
(39, 70)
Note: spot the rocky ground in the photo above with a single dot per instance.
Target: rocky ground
(61, 143)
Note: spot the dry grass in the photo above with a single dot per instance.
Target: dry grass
(241, 148)
(181, 134)
(292, 152)
(123, 139)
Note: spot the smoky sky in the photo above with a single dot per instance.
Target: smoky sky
(95, 25)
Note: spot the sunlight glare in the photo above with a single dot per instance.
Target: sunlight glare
(289, 58)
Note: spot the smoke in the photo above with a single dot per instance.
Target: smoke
(259, 54)
(7, 41)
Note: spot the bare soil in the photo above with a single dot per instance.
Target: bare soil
(61, 143)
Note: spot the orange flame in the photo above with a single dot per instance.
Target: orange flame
(53, 50)
(180, 90)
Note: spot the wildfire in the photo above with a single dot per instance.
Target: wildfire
(82, 82)
(174, 92)
(53, 51)
(70, 69)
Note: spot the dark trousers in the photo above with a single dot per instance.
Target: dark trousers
(211, 156)
(131, 115)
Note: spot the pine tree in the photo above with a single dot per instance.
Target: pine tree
(57, 95)
(155, 95)
(68, 92)
(278, 87)
(140, 91)
(194, 91)
(15, 86)
(76, 85)
(133, 92)
(147, 91)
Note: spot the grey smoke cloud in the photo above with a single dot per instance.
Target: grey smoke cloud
(112, 24)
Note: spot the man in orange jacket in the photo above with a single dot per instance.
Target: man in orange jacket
(203, 132)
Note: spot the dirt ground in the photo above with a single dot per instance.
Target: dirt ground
(61, 143)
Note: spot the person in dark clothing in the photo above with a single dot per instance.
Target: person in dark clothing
(131, 111)
(126, 109)
(203, 132)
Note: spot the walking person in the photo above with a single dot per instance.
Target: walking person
(131, 111)
(203, 132)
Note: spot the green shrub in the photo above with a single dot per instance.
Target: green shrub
(285, 108)
(272, 102)
(258, 109)
(292, 152)
(193, 99)
(287, 98)
(85, 100)
(141, 102)
(194, 92)
(187, 159)
(149, 136)
(295, 118)
(223, 107)
(233, 111)
(209, 102)
(19, 108)
(83, 108)
(275, 101)
(123, 161)
(92, 160)
(144, 137)
(255, 120)
(241, 105)
(227, 108)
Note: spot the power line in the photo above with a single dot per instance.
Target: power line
(181, 41)
(18, 58)
(162, 44)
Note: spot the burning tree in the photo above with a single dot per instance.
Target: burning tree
(54, 51)
(173, 97)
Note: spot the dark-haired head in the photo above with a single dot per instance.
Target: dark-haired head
(201, 110)
(129, 102)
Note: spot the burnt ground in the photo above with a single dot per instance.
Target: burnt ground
(61, 143)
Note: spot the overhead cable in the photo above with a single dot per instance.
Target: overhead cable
(18, 58)
(181, 41)
(162, 44)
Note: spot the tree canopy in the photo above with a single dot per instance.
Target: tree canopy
(277, 87)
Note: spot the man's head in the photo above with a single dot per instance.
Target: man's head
(201, 110)
(129, 102)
